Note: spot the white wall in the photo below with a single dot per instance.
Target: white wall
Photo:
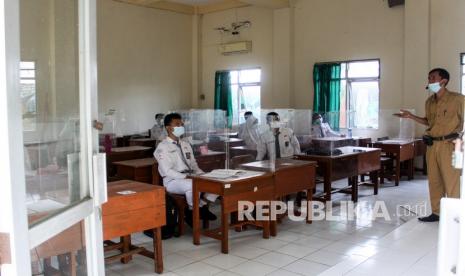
(144, 58)
(261, 35)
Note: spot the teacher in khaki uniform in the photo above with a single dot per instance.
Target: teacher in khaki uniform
(444, 119)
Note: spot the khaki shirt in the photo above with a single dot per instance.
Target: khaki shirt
(445, 116)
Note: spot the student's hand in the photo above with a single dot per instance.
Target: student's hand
(403, 114)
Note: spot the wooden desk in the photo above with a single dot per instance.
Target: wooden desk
(211, 161)
(256, 186)
(144, 142)
(126, 153)
(401, 151)
(127, 214)
(420, 151)
(68, 242)
(242, 150)
(352, 162)
(220, 145)
(290, 177)
(137, 169)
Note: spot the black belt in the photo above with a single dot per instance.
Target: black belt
(447, 137)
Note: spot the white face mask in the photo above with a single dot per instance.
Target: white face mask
(275, 124)
(434, 87)
(179, 131)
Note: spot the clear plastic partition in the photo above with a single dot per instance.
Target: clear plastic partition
(206, 131)
(52, 165)
(301, 125)
(393, 128)
(113, 122)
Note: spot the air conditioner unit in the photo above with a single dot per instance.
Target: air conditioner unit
(232, 48)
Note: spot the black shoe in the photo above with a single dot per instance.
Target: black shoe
(206, 214)
(430, 218)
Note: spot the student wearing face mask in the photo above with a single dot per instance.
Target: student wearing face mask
(444, 121)
(277, 141)
(158, 131)
(242, 126)
(176, 162)
(321, 129)
(250, 133)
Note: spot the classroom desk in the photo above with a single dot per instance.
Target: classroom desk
(401, 151)
(68, 242)
(126, 153)
(353, 162)
(255, 186)
(242, 150)
(136, 169)
(420, 151)
(133, 213)
(290, 177)
(211, 161)
(144, 142)
(220, 145)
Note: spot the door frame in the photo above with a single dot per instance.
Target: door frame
(13, 211)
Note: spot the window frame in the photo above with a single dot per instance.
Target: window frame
(462, 72)
(348, 87)
(35, 88)
(240, 85)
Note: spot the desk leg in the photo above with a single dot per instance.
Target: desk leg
(354, 183)
(375, 182)
(411, 169)
(397, 180)
(309, 205)
(195, 214)
(157, 250)
(327, 185)
(224, 230)
(126, 240)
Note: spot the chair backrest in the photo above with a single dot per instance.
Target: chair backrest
(382, 138)
(236, 161)
(156, 177)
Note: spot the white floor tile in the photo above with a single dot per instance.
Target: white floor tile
(313, 242)
(224, 261)
(247, 252)
(306, 267)
(326, 257)
(296, 250)
(175, 261)
(251, 268)
(197, 269)
(275, 259)
(282, 272)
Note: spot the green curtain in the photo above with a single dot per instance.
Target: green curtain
(223, 94)
(327, 88)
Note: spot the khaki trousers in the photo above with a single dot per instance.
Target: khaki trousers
(444, 180)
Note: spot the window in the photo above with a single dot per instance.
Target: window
(27, 76)
(462, 66)
(245, 87)
(359, 94)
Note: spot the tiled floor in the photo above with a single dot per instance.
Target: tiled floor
(401, 246)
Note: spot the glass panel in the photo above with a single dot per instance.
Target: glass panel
(248, 76)
(363, 69)
(64, 254)
(235, 89)
(343, 70)
(463, 58)
(364, 97)
(234, 77)
(251, 95)
(394, 128)
(49, 48)
(463, 84)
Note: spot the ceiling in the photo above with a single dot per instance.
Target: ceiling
(205, 6)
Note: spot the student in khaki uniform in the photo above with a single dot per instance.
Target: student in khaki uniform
(444, 119)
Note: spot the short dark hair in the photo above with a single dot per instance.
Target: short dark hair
(158, 115)
(272, 113)
(441, 72)
(248, 113)
(316, 116)
(170, 117)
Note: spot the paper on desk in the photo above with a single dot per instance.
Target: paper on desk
(223, 174)
(127, 192)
